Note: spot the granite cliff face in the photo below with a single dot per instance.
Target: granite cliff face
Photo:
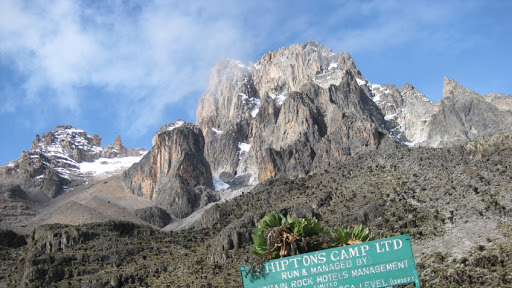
(55, 160)
(463, 115)
(406, 110)
(175, 175)
(288, 114)
(302, 108)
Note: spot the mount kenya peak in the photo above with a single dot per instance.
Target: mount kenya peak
(293, 112)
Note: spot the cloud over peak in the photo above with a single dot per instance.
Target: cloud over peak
(145, 55)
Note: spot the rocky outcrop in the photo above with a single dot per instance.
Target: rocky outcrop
(75, 144)
(14, 206)
(463, 115)
(69, 142)
(53, 163)
(175, 173)
(43, 264)
(501, 101)
(154, 215)
(314, 128)
(289, 114)
(417, 111)
(36, 170)
(406, 111)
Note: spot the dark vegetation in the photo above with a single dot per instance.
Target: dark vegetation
(277, 236)
(424, 192)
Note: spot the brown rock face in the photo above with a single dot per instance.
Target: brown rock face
(290, 113)
(35, 170)
(313, 128)
(174, 172)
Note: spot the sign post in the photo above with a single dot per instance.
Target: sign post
(380, 263)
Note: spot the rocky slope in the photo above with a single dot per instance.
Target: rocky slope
(320, 140)
(56, 181)
(454, 202)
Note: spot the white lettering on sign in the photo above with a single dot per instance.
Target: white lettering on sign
(388, 245)
(302, 282)
(373, 284)
(401, 281)
(281, 285)
(379, 268)
(349, 253)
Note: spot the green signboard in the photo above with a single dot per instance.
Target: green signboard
(381, 263)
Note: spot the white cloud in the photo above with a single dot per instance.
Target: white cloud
(150, 54)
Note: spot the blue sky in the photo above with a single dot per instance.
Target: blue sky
(128, 67)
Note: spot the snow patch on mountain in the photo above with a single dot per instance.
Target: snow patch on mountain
(176, 125)
(217, 131)
(108, 166)
(390, 117)
(361, 82)
(279, 98)
(244, 147)
(256, 103)
(252, 104)
(333, 66)
(219, 185)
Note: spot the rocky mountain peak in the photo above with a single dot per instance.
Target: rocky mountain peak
(118, 144)
(452, 89)
(64, 157)
(286, 70)
(69, 142)
(304, 106)
(464, 115)
(280, 107)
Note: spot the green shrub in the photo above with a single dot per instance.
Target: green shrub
(278, 236)
(355, 234)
